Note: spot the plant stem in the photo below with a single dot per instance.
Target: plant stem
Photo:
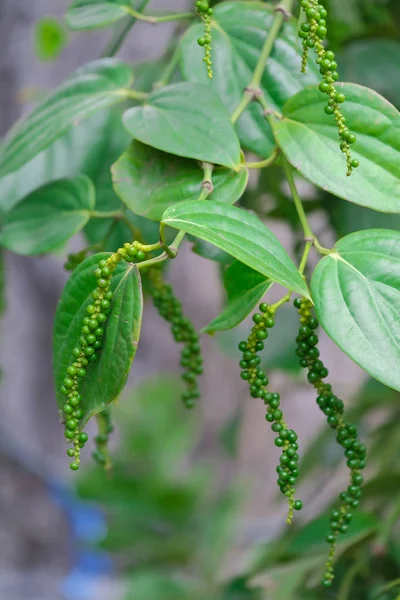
(158, 19)
(284, 8)
(261, 164)
(120, 33)
(308, 234)
(388, 526)
(304, 258)
(348, 580)
(252, 92)
(135, 94)
(111, 214)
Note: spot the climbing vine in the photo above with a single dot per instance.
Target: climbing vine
(177, 150)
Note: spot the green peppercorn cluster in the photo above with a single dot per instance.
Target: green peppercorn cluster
(90, 343)
(346, 434)
(100, 454)
(205, 12)
(312, 32)
(183, 331)
(258, 381)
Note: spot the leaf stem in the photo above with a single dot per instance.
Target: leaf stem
(252, 91)
(304, 258)
(261, 164)
(308, 234)
(111, 214)
(153, 19)
(135, 94)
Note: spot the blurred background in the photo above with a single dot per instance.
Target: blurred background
(191, 508)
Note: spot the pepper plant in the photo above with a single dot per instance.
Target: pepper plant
(174, 141)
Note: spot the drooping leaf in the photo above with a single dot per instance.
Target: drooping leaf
(244, 287)
(210, 252)
(50, 38)
(48, 217)
(309, 139)
(240, 234)
(79, 151)
(189, 120)
(356, 291)
(92, 14)
(149, 181)
(94, 86)
(106, 377)
(239, 31)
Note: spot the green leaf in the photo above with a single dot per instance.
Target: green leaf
(149, 181)
(356, 291)
(309, 139)
(92, 14)
(210, 252)
(245, 288)
(240, 234)
(346, 217)
(48, 217)
(50, 38)
(189, 120)
(239, 30)
(94, 86)
(80, 150)
(106, 377)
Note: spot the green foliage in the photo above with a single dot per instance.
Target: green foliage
(240, 234)
(239, 31)
(94, 86)
(244, 288)
(107, 376)
(355, 290)
(149, 181)
(189, 120)
(317, 156)
(48, 217)
(50, 38)
(167, 160)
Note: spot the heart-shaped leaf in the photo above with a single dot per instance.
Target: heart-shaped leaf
(244, 288)
(310, 141)
(240, 234)
(93, 86)
(48, 217)
(189, 120)
(92, 14)
(356, 291)
(239, 30)
(149, 181)
(106, 377)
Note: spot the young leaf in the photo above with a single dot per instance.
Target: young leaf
(149, 181)
(309, 139)
(50, 38)
(240, 234)
(356, 291)
(92, 14)
(244, 288)
(106, 377)
(189, 120)
(239, 30)
(48, 217)
(96, 85)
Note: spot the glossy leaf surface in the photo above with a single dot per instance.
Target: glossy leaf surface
(106, 377)
(356, 291)
(149, 181)
(240, 234)
(189, 120)
(238, 34)
(309, 139)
